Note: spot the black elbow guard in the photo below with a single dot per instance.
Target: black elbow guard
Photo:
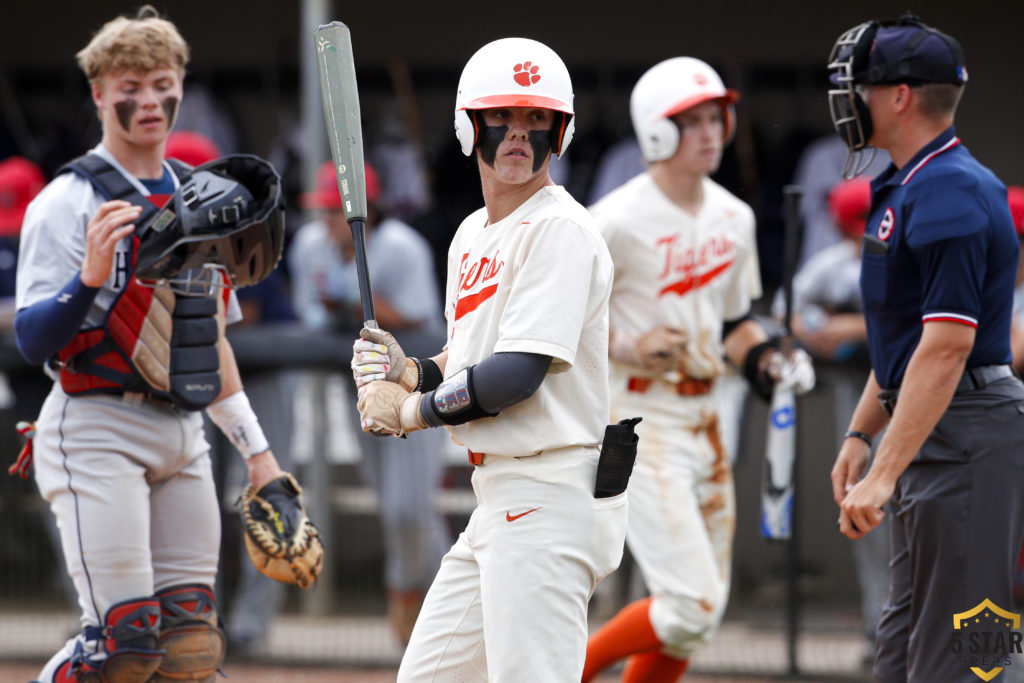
(760, 382)
(453, 401)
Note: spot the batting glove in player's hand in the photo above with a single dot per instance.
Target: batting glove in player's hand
(795, 371)
(376, 355)
(387, 408)
(279, 538)
(660, 349)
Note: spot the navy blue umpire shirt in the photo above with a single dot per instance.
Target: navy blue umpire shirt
(939, 244)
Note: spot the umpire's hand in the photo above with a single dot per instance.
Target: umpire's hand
(860, 501)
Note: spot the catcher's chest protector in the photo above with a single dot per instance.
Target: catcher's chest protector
(153, 340)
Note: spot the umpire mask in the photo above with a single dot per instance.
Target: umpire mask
(227, 216)
(901, 51)
(850, 114)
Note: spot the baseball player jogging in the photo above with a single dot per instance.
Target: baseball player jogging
(135, 343)
(937, 277)
(522, 384)
(686, 270)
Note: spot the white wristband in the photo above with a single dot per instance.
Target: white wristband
(236, 419)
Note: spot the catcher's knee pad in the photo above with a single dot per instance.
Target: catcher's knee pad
(190, 634)
(128, 636)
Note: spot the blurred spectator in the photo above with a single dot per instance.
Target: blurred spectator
(820, 167)
(205, 113)
(827, 312)
(406, 473)
(20, 181)
(395, 154)
(828, 318)
(1015, 196)
(619, 163)
(193, 148)
(22, 391)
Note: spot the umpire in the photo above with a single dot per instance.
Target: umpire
(937, 278)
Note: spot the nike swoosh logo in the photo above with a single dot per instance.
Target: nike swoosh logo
(509, 517)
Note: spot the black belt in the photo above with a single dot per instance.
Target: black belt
(972, 379)
(976, 378)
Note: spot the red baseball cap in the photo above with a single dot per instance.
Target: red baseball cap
(20, 182)
(193, 148)
(327, 196)
(849, 201)
(1015, 196)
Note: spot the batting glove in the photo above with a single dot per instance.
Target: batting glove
(660, 349)
(387, 408)
(795, 372)
(376, 355)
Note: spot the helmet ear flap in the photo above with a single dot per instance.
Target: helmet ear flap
(466, 130)
(660, 139)
(729, 118)
(562, 132)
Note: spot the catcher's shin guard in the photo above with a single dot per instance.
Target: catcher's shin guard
(190, 634)
(129, 637)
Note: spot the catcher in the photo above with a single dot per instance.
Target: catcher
(125, 281)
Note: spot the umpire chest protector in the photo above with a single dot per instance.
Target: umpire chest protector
(153, 340)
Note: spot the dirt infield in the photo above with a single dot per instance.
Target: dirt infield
(245, 673)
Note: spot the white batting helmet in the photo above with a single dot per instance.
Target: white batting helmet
(668, 88)
(514, 72)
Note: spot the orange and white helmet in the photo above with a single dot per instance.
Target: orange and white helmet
(514, 72)
(670, 87)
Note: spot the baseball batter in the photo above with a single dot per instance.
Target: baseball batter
(522, 383)
(686, 270)
(119, 448)
(405, 473)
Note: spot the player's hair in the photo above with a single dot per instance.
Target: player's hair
(938, 100)
(144, 42)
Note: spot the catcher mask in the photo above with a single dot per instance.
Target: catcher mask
(228, 215)
(873, 53)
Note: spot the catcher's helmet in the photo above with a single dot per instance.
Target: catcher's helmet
(228, 214)
(668, 88)
(900, 51)
(514, 72)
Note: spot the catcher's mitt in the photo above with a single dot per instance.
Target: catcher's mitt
(282, 543)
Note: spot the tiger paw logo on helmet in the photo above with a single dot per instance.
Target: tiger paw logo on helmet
(526, 73)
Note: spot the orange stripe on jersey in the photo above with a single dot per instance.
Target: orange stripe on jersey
(694, 281)
(471, 302)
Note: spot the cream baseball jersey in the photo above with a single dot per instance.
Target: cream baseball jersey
(677, 269)
(537, 281)
(53, 241)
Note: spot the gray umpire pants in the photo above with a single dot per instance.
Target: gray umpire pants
(957, 529)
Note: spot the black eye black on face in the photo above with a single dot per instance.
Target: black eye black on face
(125, 110)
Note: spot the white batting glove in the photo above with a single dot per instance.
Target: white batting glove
(795, 372)
(377, 355)
(387, 408)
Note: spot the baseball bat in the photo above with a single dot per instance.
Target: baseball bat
(778, 486)
(340, 95)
